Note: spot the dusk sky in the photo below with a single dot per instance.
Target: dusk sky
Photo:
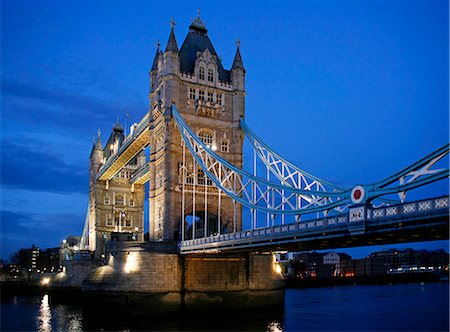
(352, 91)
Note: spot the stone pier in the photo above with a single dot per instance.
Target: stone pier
(151, 278)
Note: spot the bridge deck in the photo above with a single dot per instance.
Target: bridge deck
(409, 222)
(132, 145)
(142, 175)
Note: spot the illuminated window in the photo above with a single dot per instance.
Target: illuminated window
(201, 73)
(210, 97)
(191, 93)
(119, 200)
(210, 75)
(201, 94)
(206, 137)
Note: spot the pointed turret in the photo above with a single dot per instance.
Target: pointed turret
(238, 70)
(237, 63)
(172, 43)
(157, 55)
(97, 144)
(96, 156)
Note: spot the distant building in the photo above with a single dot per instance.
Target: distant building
(346, 265)
(401, 261)
(359, 268)
(332, 258)
(317, 265)
(49, 260)
(31, 258)
(331, 264)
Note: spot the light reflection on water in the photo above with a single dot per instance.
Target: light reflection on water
(412, 307)
(274, 327)
(45, 315)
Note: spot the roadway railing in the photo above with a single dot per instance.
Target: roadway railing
(356, 216)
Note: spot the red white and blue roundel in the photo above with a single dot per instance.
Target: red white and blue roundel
(358, 194)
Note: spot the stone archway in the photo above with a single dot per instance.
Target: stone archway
(211, 225)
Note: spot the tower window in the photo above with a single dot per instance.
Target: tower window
(128, 221)
(119, 199)
(210, 97)
(201, 94)
(206, 137)
(201, 178)
(201, 73)
(191, 93)
(224, 146)
(210, 75)
(109, 221)
(131, 203)
(106, 200)
(219, 98)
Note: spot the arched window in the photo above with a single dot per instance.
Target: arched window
(206, 137)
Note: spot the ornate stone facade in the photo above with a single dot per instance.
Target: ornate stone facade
(115, 205)
(211, 100)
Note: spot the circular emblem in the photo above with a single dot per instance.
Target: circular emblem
(358, 194)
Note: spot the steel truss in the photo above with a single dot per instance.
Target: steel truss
(298, 192)
(254, 192)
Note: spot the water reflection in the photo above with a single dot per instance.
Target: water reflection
(275, 326)
(357, 308)
(45, 315)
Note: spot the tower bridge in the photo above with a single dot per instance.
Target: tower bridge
(198, 188)
(199, 192)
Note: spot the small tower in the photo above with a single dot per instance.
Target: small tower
(96, 157)
(211, 99)
(116, 205)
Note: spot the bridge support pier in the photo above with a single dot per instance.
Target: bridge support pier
(152, 278)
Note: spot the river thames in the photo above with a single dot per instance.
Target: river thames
(398, 307)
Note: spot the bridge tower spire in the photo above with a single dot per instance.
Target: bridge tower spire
(211, 98)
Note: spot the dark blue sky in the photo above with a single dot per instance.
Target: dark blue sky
(352, 91)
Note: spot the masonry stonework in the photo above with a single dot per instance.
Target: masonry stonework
(211, 100)
(166, 282)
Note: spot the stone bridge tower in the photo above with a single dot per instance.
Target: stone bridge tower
(212, 100)
(114, 205)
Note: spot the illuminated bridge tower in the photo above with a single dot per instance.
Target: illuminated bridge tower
(115, 205)
(212, 100)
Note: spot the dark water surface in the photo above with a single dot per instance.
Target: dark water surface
(400, 307)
